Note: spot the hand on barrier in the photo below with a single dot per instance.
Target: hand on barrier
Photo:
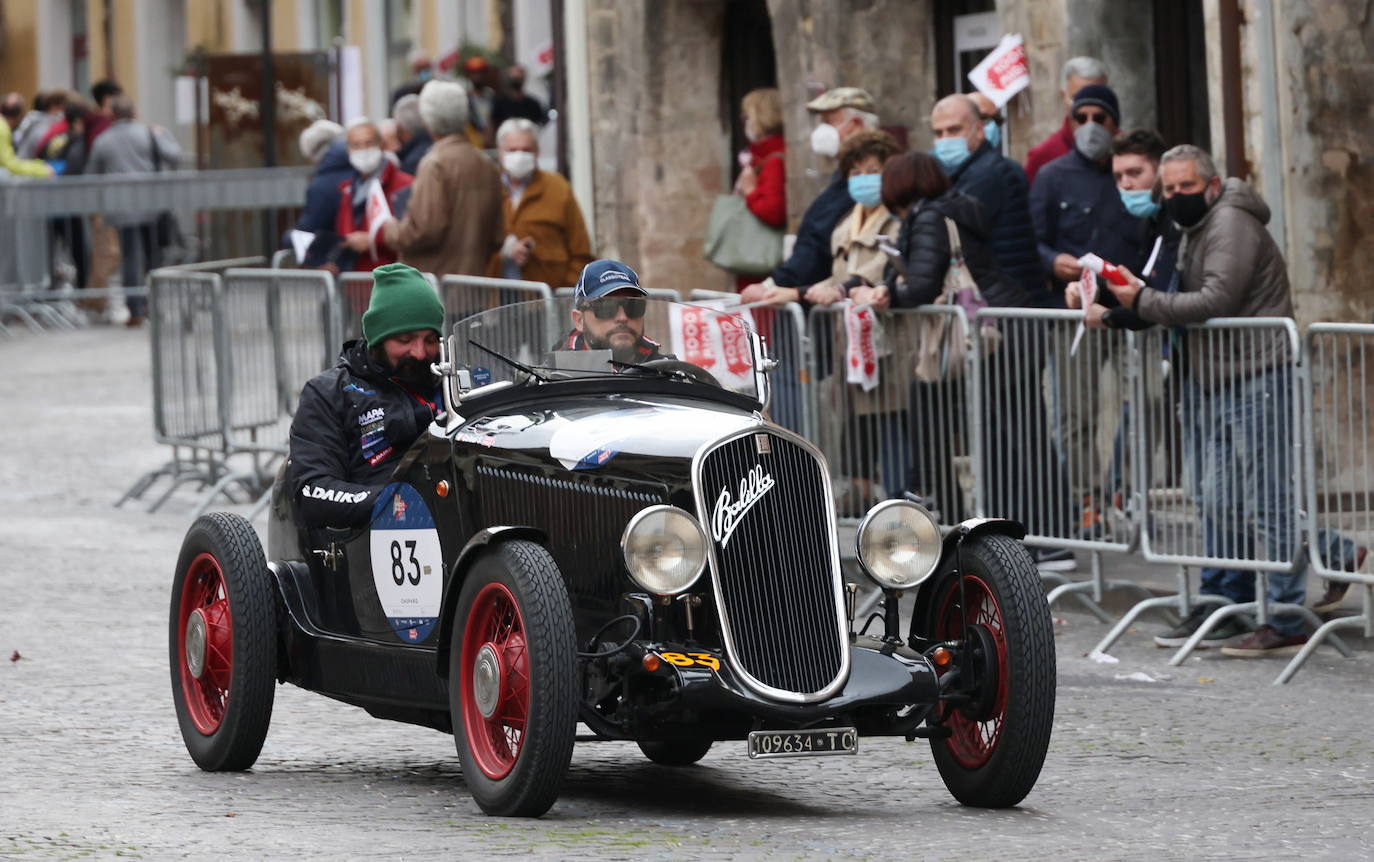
(1093, 318)
(1073, 294)
(753, 293)
(877, 296)
(358, 241)
(824, 293)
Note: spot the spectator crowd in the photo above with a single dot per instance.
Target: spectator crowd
(891, 229)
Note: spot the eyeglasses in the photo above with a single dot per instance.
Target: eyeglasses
(1099, 118)
(607, 307)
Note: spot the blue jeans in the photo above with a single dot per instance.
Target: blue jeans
(1245, 489)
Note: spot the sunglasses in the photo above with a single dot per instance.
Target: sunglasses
(1099, 118)
(607, 307)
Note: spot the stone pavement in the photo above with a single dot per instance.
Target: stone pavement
(1205, 761)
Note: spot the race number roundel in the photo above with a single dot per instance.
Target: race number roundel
(407, 564)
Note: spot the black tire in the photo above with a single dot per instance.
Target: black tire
(676, 752)
(520, 778)
(999, 740)
(222, 577)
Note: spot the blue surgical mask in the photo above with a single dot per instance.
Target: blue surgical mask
(1138, 203)
(993, 133)
(866, 189)
(952, 152)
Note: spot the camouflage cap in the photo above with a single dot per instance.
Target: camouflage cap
(842, 97)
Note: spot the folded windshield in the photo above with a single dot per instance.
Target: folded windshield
(557, 339)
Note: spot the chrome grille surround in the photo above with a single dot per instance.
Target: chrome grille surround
(822, 629)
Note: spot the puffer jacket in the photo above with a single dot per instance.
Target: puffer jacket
(1000, 186)
(1228, 266)
(322, 203)
(352, 426)
(924, 243)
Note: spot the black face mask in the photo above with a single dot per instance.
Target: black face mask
(1187, 210)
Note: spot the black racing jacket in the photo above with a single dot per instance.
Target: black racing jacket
(352, 426)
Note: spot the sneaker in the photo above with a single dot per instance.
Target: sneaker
(1266, 642)
(1332, 598)
(1055, 560)
(1229, 628)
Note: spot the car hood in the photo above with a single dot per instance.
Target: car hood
(591, 436)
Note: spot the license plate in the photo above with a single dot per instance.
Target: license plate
(803, 743)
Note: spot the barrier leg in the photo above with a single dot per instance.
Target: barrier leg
(261, 505)
(1125, 622)
(1315, 641)
(1077, 590)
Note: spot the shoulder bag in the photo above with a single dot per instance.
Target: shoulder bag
(736, 240)
(943, 339)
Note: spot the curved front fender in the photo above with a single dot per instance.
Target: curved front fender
(458, 573)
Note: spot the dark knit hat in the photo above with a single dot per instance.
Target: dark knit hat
(1099, 95)
(402, 301)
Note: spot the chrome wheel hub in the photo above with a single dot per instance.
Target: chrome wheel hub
(486, 680)
(195, 643)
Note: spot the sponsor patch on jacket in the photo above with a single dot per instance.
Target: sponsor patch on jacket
(381, 456)
(376, 414)
(353, 387)
(333, 495)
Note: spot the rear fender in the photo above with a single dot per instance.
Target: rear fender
(449, 607)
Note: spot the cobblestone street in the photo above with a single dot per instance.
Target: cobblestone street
(1205, 761)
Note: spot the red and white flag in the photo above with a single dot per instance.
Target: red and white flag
(714, 335)
(378, 212)
(861, 357)
(1004, 72)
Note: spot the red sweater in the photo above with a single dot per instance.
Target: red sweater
(768, 201)
(393, 180)
(1049, 149)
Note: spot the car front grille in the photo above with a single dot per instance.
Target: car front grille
(764, 500)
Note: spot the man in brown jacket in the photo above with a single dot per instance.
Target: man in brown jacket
(546, 239)
(1238, 403)
(452, 225)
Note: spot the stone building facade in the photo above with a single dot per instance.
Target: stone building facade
(1278, 90)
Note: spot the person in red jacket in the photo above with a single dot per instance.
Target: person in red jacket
(358, 252)
(1078, 73)
(763, 181)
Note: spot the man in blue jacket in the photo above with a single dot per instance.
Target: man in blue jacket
(976, 169)
(1077, 209)
(842, 111)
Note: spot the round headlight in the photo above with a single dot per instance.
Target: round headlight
(665, 549)
(899, 544)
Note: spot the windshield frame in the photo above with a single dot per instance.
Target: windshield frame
(461, 392)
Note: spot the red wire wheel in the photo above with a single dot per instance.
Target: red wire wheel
(974, 738)
(222, 643)
(206, 640)
(496, 681)
(1000, 709)
(512, 678)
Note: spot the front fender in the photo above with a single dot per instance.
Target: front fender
(458, 573)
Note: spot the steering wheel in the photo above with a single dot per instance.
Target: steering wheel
(677, 366)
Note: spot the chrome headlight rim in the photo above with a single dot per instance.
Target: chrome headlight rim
(637, 519)
(865, 562)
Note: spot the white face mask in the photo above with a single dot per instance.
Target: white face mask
(825, 140)
(365, 161)
(518, 164)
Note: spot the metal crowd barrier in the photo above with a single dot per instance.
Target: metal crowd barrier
(538, 330)
(230, 355)
(1339, 442)
(221, 214)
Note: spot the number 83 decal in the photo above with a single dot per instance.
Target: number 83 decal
(691, 659)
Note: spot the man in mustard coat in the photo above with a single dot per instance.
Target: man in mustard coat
(546, 239)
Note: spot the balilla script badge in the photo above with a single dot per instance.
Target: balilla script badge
(727, 514)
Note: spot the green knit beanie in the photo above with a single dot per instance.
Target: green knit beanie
(402, 301)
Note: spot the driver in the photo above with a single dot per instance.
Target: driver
(608, 314)
(356, 420)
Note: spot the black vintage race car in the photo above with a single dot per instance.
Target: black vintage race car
(631, 546)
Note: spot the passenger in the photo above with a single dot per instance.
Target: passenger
(608, 314)
(355, 421)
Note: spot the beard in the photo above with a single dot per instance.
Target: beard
(415, 374)
(623, 353)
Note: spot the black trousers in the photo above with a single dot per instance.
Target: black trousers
(138, 253)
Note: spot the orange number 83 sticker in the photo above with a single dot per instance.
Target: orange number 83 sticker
(691, 659)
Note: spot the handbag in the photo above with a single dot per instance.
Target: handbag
(166, 230)
(943, 339)
(738, 241)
